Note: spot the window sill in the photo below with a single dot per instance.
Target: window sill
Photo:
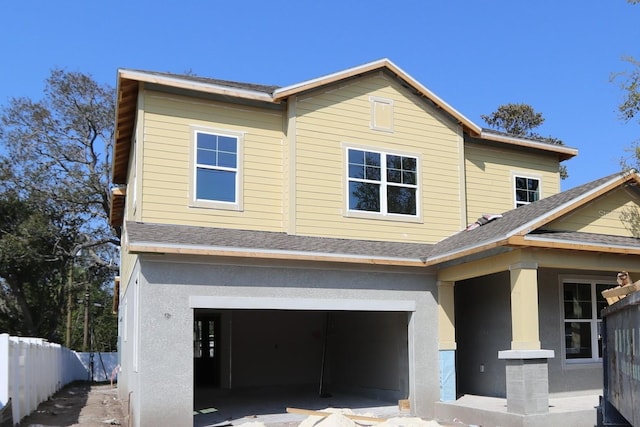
(382, 217)
(203, 204)
(581, 364)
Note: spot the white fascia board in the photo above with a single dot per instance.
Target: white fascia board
(175, 248)
(539, 238)
(473, 248)
(193, 85)
(529, 143)
(307, 304)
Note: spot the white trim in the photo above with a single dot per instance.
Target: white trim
(307, 304)
(541, 238)
(526, 354)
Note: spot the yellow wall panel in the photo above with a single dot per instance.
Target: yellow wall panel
(490, 174)
(329, 120)
(614, 214)
(168, 123)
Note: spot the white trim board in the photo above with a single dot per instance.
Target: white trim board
(311, 304)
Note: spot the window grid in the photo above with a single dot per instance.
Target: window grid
(526, 189)
(216, 167)
(383, 183)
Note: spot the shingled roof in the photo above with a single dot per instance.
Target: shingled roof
(149, 237)
(527, 219)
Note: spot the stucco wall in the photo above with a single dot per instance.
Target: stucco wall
(483, 327)
(164, 386)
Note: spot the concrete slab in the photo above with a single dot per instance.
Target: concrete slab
(215, 407)
(567, 411)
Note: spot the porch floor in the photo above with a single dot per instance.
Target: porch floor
(567, 411)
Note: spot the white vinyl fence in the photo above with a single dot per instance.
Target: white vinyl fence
(32, 370)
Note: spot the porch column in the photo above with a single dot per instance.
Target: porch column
(525, 334)
(526, 364)
(447, 341)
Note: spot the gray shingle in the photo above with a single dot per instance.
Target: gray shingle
(513, 220)
(191, 236)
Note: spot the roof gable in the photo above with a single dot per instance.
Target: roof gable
(521, 226)
(613, 213)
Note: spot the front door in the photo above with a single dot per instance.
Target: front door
(206, 349)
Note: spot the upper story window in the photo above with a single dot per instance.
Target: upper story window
(527, 190)
(382, 183)
(217, 172)
(582, 304)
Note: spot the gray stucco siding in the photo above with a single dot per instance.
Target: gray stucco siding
(168, 287)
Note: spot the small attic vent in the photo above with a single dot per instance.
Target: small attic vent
(484, 219)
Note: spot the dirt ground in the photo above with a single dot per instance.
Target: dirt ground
(79, 404)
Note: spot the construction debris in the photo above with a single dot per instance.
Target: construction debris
(626, 287)
(335, 417)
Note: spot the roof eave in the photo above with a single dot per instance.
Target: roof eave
(179, 83)
(564, 152)
(163, 248)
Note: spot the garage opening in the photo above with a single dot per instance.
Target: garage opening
(253, 361)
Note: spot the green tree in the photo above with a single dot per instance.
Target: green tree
(33, 242)
(521, 120)
(56, 159)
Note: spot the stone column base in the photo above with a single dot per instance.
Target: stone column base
(527, 380)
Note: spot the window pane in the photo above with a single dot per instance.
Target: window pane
(601, 302)
(578, 340)
(207, 141)
(364, 196)
(372, 159)
(216, 185)
(206, 157)
(227, 160)
(577, 301)
(394, 175)
(409, 178)
(532, 184)
(356, 171)
(521, 196)
(394, 162)
(372, 173)
(409, 163)
(356, 157)
(227, 143)
(401, 200)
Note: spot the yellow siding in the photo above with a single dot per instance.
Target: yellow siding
(168, 122)
(490, 173)
(327, 120)
(606, 215)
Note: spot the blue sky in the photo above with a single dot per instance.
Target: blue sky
(557, 56)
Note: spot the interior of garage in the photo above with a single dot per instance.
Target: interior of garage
(316, 358)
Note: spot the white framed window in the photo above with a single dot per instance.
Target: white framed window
(381, 114)
(582, 302)
(526, 189)
(382, 184)
(216, 169)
